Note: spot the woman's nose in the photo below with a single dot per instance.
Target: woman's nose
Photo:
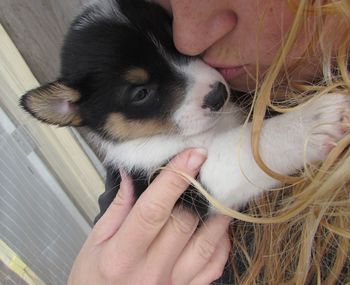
(198, 24)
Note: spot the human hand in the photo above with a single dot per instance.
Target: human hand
(151, 242)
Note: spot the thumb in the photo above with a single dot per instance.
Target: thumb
(116, 213)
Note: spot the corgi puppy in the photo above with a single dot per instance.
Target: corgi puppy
(144, 102)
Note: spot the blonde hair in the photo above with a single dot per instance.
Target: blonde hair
(301, 234)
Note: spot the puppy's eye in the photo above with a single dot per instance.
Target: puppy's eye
(141, 95)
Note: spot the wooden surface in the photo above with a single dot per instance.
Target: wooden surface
(57, 146)
(42, 170)
(37, 28)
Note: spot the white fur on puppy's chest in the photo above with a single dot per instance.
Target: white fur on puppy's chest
(146, 154)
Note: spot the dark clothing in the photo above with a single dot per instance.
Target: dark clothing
(111, 189)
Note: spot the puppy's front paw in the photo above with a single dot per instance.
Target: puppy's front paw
(326, 121)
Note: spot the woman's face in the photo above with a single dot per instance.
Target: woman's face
(233, 35)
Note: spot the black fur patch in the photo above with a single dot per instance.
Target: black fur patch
(96, 57)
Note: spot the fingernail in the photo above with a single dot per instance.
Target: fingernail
(196, 159)
(185, 218)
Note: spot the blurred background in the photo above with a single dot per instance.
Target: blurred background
(50, 178)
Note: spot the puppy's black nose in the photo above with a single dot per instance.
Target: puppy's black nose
(216, 98)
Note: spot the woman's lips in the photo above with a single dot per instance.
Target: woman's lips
(228, 72)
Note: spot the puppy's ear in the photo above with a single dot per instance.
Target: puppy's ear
(54, 103)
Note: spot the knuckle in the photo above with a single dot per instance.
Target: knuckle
(120, 196)
(204, 247)
(117, 201)
(183, 222)
(152, 214)
(178, 184)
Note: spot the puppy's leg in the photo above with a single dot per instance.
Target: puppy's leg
(305, 135)
(231, 173)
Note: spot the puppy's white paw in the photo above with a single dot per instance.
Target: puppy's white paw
(326, 120)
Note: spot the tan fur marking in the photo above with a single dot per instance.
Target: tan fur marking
(45, 103)
(137, 76)
(121, 128)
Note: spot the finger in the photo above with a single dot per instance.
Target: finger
(154, 206)
(171, 241)
(200, 249)
(116, 213)
(214, 269)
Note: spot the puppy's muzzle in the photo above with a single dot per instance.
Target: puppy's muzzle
(216, 98)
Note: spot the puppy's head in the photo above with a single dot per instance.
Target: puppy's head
(122, 77)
